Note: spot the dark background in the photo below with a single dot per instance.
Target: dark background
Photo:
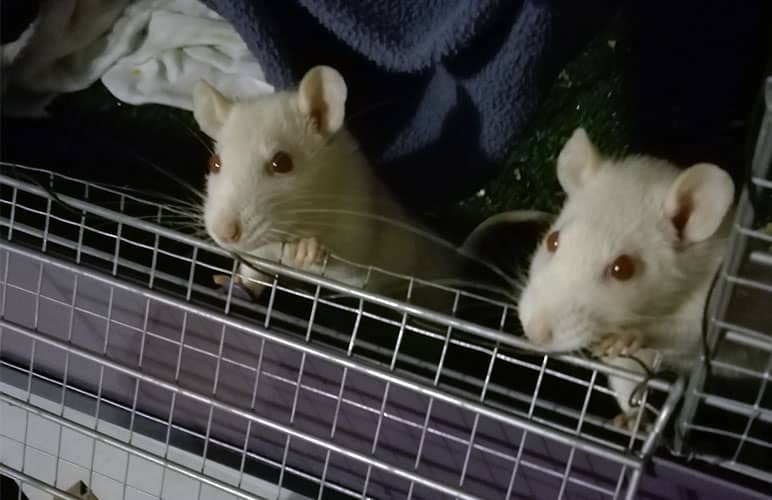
(675, 79)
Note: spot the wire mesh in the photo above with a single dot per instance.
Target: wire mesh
(112, 331)
(727, 416)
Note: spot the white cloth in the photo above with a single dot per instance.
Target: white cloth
(69, 46)
(63, 50)
(183, 42)
(146, 51)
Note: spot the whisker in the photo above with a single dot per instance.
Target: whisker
(412, 229)
(169, 175)
(461, 283)
(130, 191)
(194, 133)
(303, 196)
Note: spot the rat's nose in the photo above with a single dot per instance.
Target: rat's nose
(538, 331)
(230, 232)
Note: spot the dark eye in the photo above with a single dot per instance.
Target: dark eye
(281, 163)
(623, 268)
(214, 163)
(552, 241)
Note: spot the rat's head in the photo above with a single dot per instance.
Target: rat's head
(271, 155)
(634, 238)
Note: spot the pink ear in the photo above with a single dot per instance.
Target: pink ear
(210, 108)
(698, 201)
(322, 97)
(578, 162)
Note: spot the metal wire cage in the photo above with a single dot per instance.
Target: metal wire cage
(123, 367)
(730, 422)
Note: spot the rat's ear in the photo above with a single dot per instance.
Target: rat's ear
(698, 201)
(322, 97)
(210, 108)
(578, 161)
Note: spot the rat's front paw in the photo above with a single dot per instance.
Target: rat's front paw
(628, 420)
(304, 253)
(615, 344)
(242, 289)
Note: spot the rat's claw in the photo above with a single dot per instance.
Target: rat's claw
(600, 347)
(615, 344)
(627, 421)
(291, 255)
(246, 290)
(304, 252)
(314, 251)
(223, 279)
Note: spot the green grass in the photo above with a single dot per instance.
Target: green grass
(588, 93)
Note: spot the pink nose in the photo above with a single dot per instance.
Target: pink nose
(538, 331)
(230, 232)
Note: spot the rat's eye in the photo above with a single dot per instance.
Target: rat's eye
(281, 163)
(214, 163)
(623, 268)
(552, 241)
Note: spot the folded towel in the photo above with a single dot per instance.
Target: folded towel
(66, 50)
(145, 51)
(439, 89)
(184, 42)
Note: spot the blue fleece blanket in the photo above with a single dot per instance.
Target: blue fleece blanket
(438, 89)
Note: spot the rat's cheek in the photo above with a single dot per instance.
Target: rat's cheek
(535, 319)
(577, 329)
(524, 309)
(209, 221)
(537, 262)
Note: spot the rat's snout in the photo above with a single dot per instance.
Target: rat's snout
(538, 330)
(229, 231)
(536, 325)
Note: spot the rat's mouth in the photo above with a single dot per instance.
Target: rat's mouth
(567, 343)
(568, 336)
(251, 238)
(254, 237)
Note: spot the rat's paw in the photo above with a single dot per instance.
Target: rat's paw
(247, 290)
(304, 253)
(627, 421)
(614, 344)
(222, 280)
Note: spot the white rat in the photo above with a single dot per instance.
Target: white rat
(288, 182)
(628, 264)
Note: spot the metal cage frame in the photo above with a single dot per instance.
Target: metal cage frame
(746, 277)
(432, 417)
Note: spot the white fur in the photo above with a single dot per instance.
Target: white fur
(578, 161)
(704, 192)
(210, 108)
(322, 95)
(330, 175)
(619, 207)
